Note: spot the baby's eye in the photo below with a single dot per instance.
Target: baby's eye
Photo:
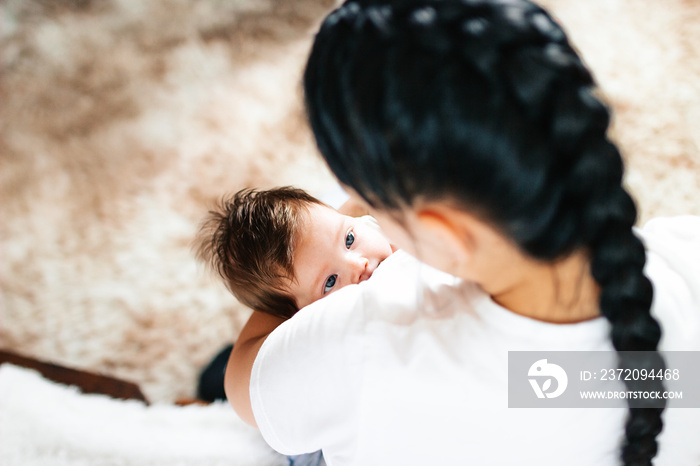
(330, 283)
(349, 239)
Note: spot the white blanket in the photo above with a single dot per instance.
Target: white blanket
(47, 424)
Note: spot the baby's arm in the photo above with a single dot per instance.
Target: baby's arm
(240, 363)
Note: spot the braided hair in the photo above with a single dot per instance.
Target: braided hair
(486, 103)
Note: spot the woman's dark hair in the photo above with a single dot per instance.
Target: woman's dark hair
(486, 104)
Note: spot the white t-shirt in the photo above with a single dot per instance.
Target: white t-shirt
(410, 368)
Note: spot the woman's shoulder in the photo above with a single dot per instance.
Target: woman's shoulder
(401, 291)
(404, 290)
(673, 248)
(686, 227)
(673, 266)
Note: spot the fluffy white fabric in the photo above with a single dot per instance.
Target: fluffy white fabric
(47, 424)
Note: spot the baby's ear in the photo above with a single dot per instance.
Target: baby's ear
(353, 208)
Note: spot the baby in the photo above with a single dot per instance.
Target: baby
(281, 249)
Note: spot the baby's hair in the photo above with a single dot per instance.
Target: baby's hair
(486, 104)
(249, 240)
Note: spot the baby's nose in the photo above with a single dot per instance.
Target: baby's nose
(360, 271)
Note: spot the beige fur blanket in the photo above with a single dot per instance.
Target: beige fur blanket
(122, 120)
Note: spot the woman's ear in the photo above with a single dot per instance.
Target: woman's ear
(446, 238)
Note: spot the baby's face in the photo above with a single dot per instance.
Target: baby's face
(333, 251)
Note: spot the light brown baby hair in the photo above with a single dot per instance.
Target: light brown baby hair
(249, 240)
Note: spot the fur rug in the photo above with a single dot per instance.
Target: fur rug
(123, 120)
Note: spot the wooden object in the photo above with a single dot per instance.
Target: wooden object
(87, 382)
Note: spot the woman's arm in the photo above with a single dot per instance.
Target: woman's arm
(240, 363)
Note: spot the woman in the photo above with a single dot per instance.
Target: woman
(472, 131)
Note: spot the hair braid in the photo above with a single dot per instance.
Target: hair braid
(487, 103)
(617, 260)
(591, 171)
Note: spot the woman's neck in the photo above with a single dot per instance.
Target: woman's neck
(558, 292)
